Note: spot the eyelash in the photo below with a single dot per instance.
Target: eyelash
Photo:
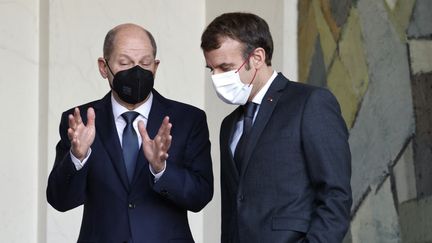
(142, 64)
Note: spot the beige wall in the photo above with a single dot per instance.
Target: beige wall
(19, 122)
(48, 53)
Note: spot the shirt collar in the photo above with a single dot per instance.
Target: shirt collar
(143, 110)
(260, 95)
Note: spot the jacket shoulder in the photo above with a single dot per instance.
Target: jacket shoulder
(176, 106)
(306, 90)
(83, 107)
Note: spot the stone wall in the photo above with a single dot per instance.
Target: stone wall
(376, 57)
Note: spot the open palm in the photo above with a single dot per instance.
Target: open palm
(81, 135)
(156, 149)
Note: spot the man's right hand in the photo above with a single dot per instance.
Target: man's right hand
(80, 135)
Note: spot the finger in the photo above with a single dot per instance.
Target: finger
(166, 126)
(162, 127)
(75, 147)
(72, 123)
(143, 131)
(77, 116)
(168, 143)
(166, 140)
(91, 116)
(168, 129)
(70, 133)
(158, 141)
(75, 142)
(163, 156)
(162, 146)
(166, 120)
(73, 138)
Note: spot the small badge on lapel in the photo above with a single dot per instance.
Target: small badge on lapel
(270, 99)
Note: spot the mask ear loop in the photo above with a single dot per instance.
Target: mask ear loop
(253, 77)
(106, 62)
(247, 59)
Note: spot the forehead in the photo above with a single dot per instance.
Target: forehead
(132, 42)
(230, 51)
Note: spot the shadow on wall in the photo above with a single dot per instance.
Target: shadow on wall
(376, 57)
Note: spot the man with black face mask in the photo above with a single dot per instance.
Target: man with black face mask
(136, 160)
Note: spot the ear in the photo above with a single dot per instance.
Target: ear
(103, 69)
(258, 58)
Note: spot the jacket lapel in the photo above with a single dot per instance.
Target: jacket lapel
(266, 108)
(107, 131)
(225, 139)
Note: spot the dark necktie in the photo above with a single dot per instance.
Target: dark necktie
(130, 143)
(248, 115)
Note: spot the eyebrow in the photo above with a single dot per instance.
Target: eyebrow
(128, 57)
(222, 66)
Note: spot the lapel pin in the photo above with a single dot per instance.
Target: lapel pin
(270, 99)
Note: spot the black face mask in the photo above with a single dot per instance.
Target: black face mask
(133, 85)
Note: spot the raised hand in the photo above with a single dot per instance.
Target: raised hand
(80, 135)
(156, 149)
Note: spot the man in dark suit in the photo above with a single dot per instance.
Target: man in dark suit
(136, 161)
(285, 159)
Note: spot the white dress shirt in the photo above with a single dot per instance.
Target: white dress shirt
(118, 110)
(257, 100)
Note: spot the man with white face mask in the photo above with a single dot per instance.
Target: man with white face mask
(285, 158)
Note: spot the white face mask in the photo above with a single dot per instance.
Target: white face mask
(230, 89)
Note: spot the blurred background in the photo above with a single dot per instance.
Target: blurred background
(374, 55)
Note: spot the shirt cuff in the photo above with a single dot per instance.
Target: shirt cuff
(157, 176)
(79, 164)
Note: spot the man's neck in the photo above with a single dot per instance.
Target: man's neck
(262, 78)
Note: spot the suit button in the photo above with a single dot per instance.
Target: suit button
(241, 198)
(131, 205)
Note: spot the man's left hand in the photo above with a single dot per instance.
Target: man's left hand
(156, 149)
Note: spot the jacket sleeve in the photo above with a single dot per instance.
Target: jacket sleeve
(325, 143)
(66, 186)
(189, 183)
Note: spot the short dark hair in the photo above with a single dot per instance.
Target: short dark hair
(247, 28)
(109, 42)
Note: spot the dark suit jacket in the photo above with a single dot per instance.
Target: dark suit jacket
(143, 211)
(294, 185)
